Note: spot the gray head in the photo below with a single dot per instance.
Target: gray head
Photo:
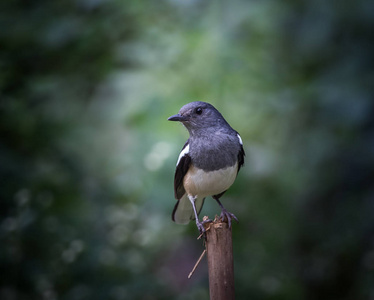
(199, 115)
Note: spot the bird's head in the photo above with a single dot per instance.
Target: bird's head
(198, 115)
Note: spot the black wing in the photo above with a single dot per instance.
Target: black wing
(181, 170)
(241, 155)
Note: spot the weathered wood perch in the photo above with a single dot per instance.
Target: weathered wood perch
(220, 260)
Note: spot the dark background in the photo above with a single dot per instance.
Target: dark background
(87, 156)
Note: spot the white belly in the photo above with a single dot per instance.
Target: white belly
(201, 183)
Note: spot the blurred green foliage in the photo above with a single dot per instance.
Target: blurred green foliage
(87, 156)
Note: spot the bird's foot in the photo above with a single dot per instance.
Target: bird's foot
(201, 227)
(229, 216)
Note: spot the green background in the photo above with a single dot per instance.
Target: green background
(87, 157)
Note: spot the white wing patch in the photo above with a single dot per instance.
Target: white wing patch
(240, 140)
(183, 153)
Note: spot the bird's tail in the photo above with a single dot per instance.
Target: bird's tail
(183, 212)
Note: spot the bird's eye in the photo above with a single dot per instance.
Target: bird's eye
(199, 110)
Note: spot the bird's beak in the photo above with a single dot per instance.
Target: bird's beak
(177, 117)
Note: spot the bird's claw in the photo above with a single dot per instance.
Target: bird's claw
(229, 216)
(201, 227)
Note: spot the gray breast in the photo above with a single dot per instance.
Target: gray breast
(214, 152)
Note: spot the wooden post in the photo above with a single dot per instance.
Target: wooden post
(220, 260)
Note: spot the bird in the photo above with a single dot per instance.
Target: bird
(208, 163)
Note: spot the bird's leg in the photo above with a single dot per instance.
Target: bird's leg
(225, 213)
(200, 225)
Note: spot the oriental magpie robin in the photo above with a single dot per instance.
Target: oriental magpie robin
(208, 163)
